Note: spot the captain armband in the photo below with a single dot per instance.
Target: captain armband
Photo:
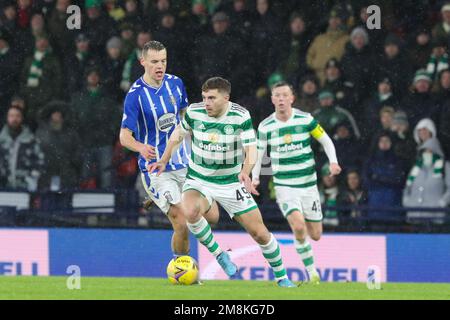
(317, 132)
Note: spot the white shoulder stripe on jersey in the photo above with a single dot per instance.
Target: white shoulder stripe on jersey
(175, 106)
(197, 105)
(179, 91)
(302, 113)
(236, 107)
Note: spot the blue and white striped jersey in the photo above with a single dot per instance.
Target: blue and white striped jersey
(153, 113)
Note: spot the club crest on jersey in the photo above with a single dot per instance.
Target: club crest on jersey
(229, 129)
(166, 122)
(168, 196)
(287, 138)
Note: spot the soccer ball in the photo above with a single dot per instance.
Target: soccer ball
(182, 270)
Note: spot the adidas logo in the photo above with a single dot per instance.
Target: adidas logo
(201, 127)
(134, 87)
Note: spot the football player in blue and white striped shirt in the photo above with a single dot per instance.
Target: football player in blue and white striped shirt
(154, 106)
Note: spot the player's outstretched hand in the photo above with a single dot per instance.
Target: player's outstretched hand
(335, 169)
(245, 179)
(160, 166)
(147, 152)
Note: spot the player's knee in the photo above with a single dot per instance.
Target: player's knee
(315, 235)
(260, 235)
(191, 213)
(176, 214)
(299, 229)
(178, 220)
(180, 227)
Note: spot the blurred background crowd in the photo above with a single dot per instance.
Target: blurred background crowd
(383, 95)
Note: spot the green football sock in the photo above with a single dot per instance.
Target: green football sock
(306, 254)
(271, 251)
(202, 231)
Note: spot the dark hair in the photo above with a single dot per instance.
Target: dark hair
(442, 72)
(16, 108)
(296, 15)
(54, 106)
(15, 98)
(221, 84)
(282, 84)
(152, 45)
(93, 69)
(352, 170)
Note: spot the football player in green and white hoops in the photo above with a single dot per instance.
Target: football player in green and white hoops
(222, 137)
(287, 134)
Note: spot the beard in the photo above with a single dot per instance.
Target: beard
(15, 130)
(56, 126)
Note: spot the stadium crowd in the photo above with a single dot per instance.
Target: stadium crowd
(382, 94)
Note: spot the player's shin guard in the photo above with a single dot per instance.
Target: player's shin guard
(202, 231)
(306, 254)
(271, 251)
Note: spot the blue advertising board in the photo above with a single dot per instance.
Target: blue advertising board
(146, 253)
(112, 253)
(418, 258)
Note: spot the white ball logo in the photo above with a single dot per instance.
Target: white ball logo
(166, 122)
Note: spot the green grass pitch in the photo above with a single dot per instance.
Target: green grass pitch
(159, 289)
(145, 288)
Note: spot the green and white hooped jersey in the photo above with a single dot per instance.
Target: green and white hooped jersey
(217, 143)
(290, 150)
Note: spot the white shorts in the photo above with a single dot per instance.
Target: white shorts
(234, 198)
(164, 190)
(304, 200)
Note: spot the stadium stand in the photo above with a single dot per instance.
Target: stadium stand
(383, 83)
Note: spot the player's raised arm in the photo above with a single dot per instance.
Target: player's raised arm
(320, 135)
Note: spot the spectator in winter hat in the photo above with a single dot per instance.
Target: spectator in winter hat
(358, 63)
(329, 114)
(420, 103)
(439, 59)
(402, 138)
(428, 182)
(112, 68)
(384, 174)
(395, 66)
(341, 88)
(442, 30)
